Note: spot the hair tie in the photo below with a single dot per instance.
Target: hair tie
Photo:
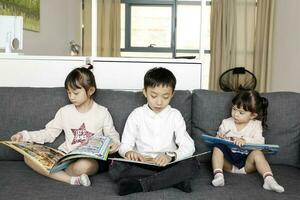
(88, 66)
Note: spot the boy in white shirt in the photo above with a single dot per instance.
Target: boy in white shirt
(155, 132)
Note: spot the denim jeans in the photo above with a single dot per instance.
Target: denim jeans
(152, 177)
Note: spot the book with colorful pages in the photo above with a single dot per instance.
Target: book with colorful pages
(52, 160)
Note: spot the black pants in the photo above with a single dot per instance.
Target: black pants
(103, 166)
(152, 177)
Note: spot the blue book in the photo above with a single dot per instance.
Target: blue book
(266, 148)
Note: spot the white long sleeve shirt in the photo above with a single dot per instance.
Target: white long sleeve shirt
(77, 127)
(151, 133)
(251, 133)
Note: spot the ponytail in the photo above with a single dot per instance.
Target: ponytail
(90, 66)
(264, 107)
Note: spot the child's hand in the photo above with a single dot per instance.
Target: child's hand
(239, 141)
(132, 155)
(113, 147)
(18, 137)
(221, 135)
(162, 160)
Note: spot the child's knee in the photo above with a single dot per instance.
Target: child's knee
(257, 153)
(85, 166)
(217, 151)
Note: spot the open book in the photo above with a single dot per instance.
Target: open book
(52, 160)
(266, 148)
(149, 160)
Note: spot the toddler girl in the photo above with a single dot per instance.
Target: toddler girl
(249, 115)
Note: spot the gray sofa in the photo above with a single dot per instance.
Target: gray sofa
(32, 108)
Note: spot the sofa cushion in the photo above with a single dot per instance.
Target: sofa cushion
(32, 108)
(284, 126)
(19, 182)
(210, 107)
(208, 110)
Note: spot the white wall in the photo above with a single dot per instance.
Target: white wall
(37, 71)
(60, 22)
(128, 73)
(286, 57)
(110, 73)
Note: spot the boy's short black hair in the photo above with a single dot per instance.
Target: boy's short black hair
(159, 76)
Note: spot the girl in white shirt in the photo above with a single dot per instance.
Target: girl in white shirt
(79, 121)
(249, 115)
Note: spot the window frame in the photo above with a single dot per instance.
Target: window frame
(170, 3)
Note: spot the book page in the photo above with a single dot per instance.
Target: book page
(97, 148)
(150, 162)
(42, 155)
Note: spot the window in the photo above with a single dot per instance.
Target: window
(167, 29)
(164, 28)
(151, 31)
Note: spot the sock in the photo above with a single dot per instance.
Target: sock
(129, 185)
(271, 184)
(80, 180)
(184, 186)
(218, 178)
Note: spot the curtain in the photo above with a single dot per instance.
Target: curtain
(109, 28)
(222, 39)
(235, 38)
(263, 44)
(87, 30)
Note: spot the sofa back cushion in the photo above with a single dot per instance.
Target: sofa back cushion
(27, 109)
(209, 108)
(32, 108)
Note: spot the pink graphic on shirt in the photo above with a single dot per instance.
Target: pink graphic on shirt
(81, 134)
